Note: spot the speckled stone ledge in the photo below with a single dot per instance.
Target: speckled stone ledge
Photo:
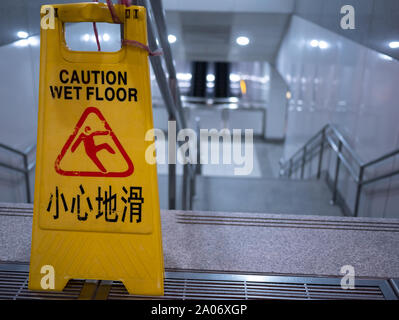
(248, 242)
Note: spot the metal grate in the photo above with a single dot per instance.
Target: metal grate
(11, 283)
(14, 286)
(205, 285)
(213, 289)
(189, 285)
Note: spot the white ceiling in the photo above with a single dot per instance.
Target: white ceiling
(210, 27)
(211, 36)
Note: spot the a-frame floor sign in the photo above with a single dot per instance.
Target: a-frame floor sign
(96, 206)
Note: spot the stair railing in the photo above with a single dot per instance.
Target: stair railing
(26, 168)
(169, 89)
(329, 137)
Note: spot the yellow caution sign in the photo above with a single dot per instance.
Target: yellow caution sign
(96, 206)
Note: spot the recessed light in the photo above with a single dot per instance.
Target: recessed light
(394, 44)
(172, 38)
(234, 77)
(22, 34)
(33, 41)
(386, 57)
(86, 37)
(242, 41)
(22, 43)
(314, 43)
(183, 76)
(323, 44)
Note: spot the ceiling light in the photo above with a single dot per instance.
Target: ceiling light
(323, 44)
(184, 76)
(22, 43)
(210, 77)
(314, 43)
(234, 77)
(394, 44)
(386, 57)
(172, 38)
(22, 34)
(86, 37)
(242, 41)
(106, 36)
(33, 41)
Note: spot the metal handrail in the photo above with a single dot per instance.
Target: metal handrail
(27, 167)
(330, 136)
(156, 29)
(382, 158)
(342, 158)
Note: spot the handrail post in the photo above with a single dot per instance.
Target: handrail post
(323, 135)
(185, 186)
(172, 185)
(192, 187)
(358, 191)
(290, 168)
(171, 172)
(198, 168)
(172, 166)
(334, 197)
(303, 161)
(27, 182)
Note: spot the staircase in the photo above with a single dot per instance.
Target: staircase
(310, 161)
(304, 197)
(263, 195)
(300, 189)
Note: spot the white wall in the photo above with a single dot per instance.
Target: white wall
(351, 86)
(277, 107)
(19, 66)
(19, 81)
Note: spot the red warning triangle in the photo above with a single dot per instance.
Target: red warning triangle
(85, 141)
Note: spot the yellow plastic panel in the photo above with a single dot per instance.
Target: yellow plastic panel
(96, 206)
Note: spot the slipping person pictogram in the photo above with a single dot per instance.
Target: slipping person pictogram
(84, 134)
(91, 148)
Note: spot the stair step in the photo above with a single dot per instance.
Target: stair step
(304, 197)
(274, 195)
